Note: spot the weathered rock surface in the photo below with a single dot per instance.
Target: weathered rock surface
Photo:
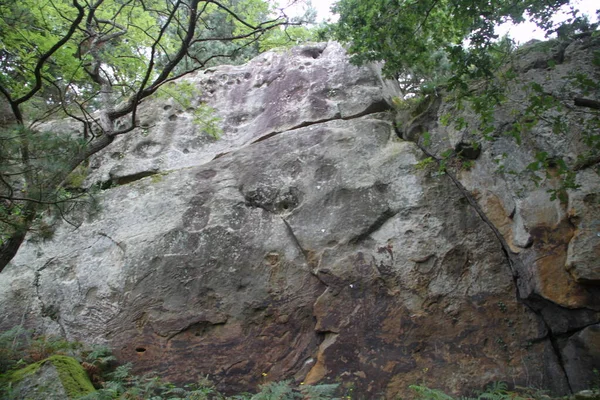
(305, 244)
(554, 245)
(271, 94)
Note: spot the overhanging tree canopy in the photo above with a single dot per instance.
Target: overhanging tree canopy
(96, 61)
(425, 39)
(452, 44)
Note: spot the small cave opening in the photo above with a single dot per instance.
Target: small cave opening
(468, 151)
(312, 52)
(140, 350)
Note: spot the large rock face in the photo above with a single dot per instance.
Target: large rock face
(306, 244)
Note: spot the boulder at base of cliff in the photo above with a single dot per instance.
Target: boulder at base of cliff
(55, 378)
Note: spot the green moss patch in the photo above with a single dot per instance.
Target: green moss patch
(72, 376)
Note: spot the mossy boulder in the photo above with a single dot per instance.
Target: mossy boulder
(57, 377)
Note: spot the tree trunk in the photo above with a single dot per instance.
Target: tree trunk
(9, 248)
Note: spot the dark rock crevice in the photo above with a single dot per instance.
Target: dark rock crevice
(277, 202)
(304, 124)
(296, 241)
(569, 334)
(118, 244)
(587, 162)
(50, 311)
(198, 328)
(374, 108)
(124, 180)
(560, 359)
(385, 216)
(36, 283)
(273, 200)
(313, 52)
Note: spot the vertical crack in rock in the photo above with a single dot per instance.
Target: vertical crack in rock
(514, 262)
(556, 348)
(36, 282)
(270, 203)
(296, 241)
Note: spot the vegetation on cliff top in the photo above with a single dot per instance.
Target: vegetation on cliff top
(442, 41)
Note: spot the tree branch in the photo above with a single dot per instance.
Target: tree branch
(44, 58)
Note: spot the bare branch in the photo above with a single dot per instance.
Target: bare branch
(233, 14)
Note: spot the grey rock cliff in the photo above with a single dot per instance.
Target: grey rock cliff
(305, 244)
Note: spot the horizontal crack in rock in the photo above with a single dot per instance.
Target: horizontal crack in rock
(374, 108)
(124, 180)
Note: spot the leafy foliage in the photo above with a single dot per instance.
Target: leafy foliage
(449, 47)
(425, 39)
(187, 96)
(123, 385)
(288, 36)
(96, 62)
(20, 348)
(49, 155)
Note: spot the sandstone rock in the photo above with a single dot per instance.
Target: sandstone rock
(555, 245)
(224, 275)
(584, 212)
(305, 244)
(273, 93)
